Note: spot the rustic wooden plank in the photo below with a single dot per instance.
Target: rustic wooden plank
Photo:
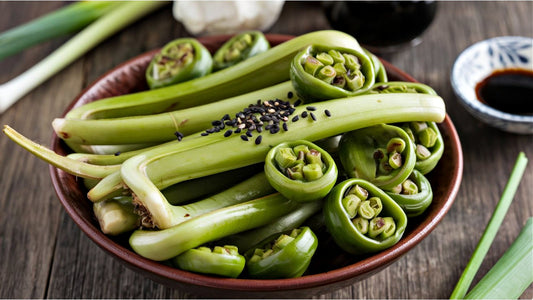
(45, 255)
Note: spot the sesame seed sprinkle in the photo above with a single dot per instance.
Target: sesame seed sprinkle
(270, 115)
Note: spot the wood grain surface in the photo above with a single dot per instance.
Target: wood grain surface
(43, 254)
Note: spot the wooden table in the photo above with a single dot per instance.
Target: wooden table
(43, 254)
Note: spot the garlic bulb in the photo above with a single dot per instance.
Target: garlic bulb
(226, 17)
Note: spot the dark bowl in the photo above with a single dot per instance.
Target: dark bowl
(330, 269)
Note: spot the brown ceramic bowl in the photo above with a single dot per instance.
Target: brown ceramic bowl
(331, 268)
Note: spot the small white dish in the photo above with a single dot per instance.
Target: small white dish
(478, 62)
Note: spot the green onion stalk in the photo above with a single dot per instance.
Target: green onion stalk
(180, 60)
(300, 170)
(69, 165)
(239, 48)
(116, 216)
(92, 35)
(429, 144)
(165, 244)
(145, 172)
(379, 69)
(162, 127)
(109, 185)
(463, 284)
(382, 154)
(263, 70)
(511, 275)
(222, 261)
(401, 87)
(114, 158)
(248, 239)
(362, 218)
(414, 195)
(92, 174)
(284, 256)
(63, 21)
(328, 72)
(249, 189)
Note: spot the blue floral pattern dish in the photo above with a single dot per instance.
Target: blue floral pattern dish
(477, 62)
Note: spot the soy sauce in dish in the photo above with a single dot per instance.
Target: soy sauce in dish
(508, 90)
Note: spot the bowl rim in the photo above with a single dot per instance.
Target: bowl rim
(473, 104)
(157, 270)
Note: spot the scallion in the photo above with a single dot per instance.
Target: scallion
(65, 20)
(513, 272)
(89, 37)
(483, 246)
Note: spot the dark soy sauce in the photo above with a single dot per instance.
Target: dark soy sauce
(508, 90)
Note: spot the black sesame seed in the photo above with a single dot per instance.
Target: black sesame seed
(249, 133)
(258, 140)
(289, 95)
(298, 102)
(259, 129)
(117, 153)
(285, 127)
(179, 135)
(244, 137)
(228, 133)
(295, 118)
(313, 116)
(328, 113)
(274, 129)
(304, 114)
(311, 108)
(216, 123)
(238, 130)
(204, 134)
(225, 117)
